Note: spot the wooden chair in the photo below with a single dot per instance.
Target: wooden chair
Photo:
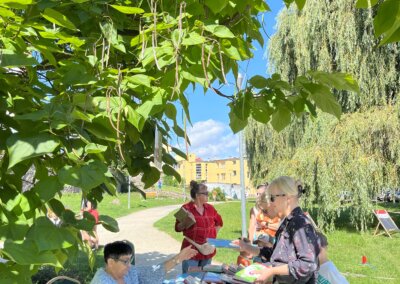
(63, 279)
(386, 222)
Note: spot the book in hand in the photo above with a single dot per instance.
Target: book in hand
(182, 215)
(246, 275)
(220, 243)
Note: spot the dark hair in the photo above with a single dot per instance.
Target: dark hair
(116, 249)
(300, 188)
(322, 239)
(195, 187)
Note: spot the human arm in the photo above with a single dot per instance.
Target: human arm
(306, 248)
(269, 272)
(184, 254)
(273, 226)
(246, 247)
(252, 224)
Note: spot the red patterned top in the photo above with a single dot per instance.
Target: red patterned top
(203, 228)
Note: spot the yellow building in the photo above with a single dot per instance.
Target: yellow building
(224, 171)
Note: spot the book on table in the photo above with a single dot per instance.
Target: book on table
(182, 216)
(213, 268)
(246, 275)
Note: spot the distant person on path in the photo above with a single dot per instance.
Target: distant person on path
(207, 224)
(93, 241)
(328, 273)
(118, 269)
(294, 256)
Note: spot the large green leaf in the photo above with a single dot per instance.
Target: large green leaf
(219, 31)
(366, 3)
(27, 253)
(150, 176)
(93, 148)
(339, 81)
(216, 6)
(57, 18)
(109, 223)
(23, 148)
(55, 238)
(324, 99)
(235, 122)
(170, 171)
(281, 118)
(387, 21)
(300, 3)
(47, 188)
(86, 177)
(128, 9)
(10, 59)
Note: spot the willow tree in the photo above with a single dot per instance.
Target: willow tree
(358, 154)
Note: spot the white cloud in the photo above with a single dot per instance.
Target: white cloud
(212, 139)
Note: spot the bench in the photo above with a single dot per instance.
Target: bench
(151, 194)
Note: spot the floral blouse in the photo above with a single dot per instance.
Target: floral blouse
(296, 245)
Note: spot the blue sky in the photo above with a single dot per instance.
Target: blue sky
(210, 135)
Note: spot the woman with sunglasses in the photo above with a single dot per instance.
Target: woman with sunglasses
(118, 257)
(207, 223)
(294, 256)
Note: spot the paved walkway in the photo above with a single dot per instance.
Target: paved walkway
(151, 245)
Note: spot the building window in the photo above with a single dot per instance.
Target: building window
(234, 162)
(222, 177)
(234, 173)
(198, 171)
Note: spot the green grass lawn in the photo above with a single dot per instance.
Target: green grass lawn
(117, 206)
(346, 247)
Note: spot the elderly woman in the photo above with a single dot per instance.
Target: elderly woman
(294, 256)
(205, 221)
(118, 270)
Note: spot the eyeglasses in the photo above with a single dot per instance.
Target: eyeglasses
(272, 197)
(204, 193)
(123, 261)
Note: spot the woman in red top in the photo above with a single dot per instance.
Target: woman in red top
(208, 222)
(92, 240)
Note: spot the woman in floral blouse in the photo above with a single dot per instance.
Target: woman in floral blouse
(294, 256)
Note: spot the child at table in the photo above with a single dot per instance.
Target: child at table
(244, 257)
(328, 273)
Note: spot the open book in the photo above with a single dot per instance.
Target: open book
(246, 276)
(182, 216)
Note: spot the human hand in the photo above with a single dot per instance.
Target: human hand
(264, 276)
(242, 246)
(186, 253)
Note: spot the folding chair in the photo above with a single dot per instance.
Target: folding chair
(386, 222)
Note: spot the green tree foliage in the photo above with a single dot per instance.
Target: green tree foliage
(359, 153)
(84, 84)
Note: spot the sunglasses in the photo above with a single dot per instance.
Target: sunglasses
(123, 261)
(204, 193)
(272, 197)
